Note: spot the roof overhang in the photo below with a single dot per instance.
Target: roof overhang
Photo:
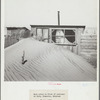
(12, 28)
(57, 26)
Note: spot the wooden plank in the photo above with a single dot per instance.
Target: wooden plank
(85, 43)
(88, 44)
(94, 48)
(91, 53)
(89, 40)
(88, 36)
(88, 50)
(78, 41)
(88, 47)
(65, 44)
(75, 49)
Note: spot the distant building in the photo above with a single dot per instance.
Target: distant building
(59, 34)
(15, 30)
(14, 34)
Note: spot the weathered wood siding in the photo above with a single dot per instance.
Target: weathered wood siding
(88, 46)
(13, 36)
(10, 40)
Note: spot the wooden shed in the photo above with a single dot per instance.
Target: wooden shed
(67, 36)
(13, 35)
(15, 30)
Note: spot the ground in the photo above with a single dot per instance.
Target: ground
(45, 62)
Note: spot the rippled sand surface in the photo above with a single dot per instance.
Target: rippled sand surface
(45, 62)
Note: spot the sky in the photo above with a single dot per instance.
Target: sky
(44, 12)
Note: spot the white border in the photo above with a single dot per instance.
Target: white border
(20, 90)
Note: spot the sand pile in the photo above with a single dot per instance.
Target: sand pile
(45, 62)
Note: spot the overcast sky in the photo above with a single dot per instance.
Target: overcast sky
(44, 12)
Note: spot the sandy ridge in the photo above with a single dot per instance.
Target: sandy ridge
(46, 62)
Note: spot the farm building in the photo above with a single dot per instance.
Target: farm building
(15, 30)
(88, 47)
(14, 34)
(78, 39)
(61, 35)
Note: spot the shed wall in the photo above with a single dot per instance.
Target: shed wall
(88, 47)
(13, 36)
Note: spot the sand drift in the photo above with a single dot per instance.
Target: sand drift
(45, 62)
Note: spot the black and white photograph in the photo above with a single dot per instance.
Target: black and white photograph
(50, 40)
